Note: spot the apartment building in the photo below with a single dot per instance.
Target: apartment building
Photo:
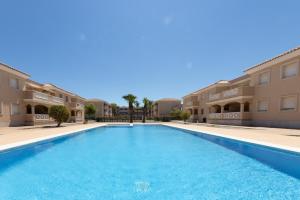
(26, 102)
(103, 108)
(163, 107)
(266, 95)
(12, 108)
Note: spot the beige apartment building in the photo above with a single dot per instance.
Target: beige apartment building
(103, 108)
(26, 102)
(163, 107)
(12, 108)
(266, 95)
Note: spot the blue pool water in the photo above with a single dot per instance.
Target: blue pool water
(143, 162)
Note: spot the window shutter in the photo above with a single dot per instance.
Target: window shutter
(288, 103)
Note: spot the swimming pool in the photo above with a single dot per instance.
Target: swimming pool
(140, 162)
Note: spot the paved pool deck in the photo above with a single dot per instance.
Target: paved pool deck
(288, 139)
(16, 136)
(276, 137)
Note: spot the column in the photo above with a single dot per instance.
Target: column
(242, 107)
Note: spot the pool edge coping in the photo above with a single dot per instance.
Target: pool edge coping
(58, 135)
(251, 141)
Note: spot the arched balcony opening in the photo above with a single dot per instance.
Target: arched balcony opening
(232, 107)
(215, 109)
(41, 109)
(246, 107)
(28, 109)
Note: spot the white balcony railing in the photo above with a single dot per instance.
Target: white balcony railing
(41, 117)
(230, 115)
(43, 97)
(230, 93)
(213, 97)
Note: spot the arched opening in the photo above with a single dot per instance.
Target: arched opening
(232, 107)
(215, 109)
(40, 109)
(72, 113)
(246, 107)
(28, 109)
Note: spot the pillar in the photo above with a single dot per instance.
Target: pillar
(242, 107)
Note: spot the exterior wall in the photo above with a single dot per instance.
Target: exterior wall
(99, 105)
(163, 108)
(11, 96)
(272, 93)
(103, 109)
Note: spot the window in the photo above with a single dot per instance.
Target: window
(14, 83)
(290, 70)
(60, 96)
(14, 109)
(262, 106)
(288, 103)
(264, 78)
(202, 111)
(67, 99)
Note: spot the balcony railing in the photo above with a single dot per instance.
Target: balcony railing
(191, 104)
(38, 117)
(235, 92)
(75, 105)
(230, 115)
(42, 97)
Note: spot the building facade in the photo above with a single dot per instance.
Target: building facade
(266, 95)
(103, 108)
(26, 102)
(164, 107)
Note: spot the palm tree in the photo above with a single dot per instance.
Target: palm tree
(136, 111)
(150, 108)
(131, 99)
(114, 109)
(145, 108)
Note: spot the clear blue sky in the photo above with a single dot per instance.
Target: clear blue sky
(151, 48)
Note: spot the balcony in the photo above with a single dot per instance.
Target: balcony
(76, 105)
(235, 92)
(192, 104)
(40, 97)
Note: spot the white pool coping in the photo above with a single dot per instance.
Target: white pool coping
(40, 139)
(268, 144)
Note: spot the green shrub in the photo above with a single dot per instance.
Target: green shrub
(185, 115)
(59, 113)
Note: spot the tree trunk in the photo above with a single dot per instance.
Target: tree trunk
(130, 113)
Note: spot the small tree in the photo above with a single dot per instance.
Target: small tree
(59, 113)
(185, 115)
(89, 110)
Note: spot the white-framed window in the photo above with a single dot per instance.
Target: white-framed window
(289, 70)
(264, 78)
(262, 106)
(15, 109)
(14, 83)
(288, 103)
(1, 108)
